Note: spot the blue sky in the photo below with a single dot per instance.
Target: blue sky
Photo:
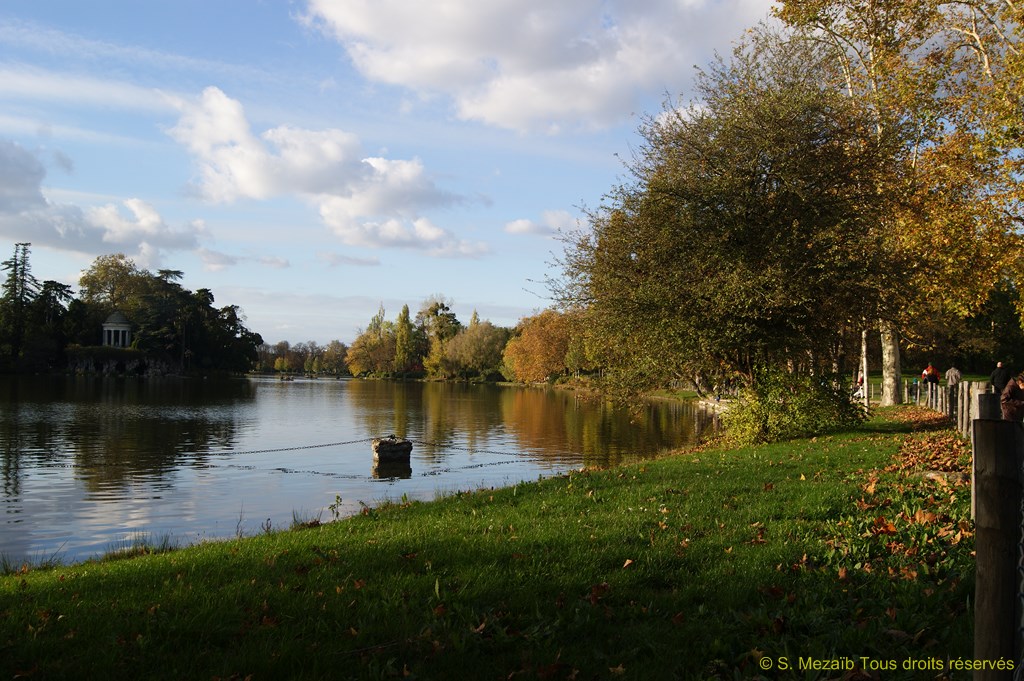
(311, 160)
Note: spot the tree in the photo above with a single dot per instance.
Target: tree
(373, 350)
(172, 323)
(19, 291)
(51, 303)
(904, 63)
(405, 344)
(438, 325)
(747, 237)
(333, 360)
(984, 43)
(476, 350)
(539, 347)
(113, 281)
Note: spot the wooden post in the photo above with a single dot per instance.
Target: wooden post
(985, 408)
(998, 450)
(963, 408)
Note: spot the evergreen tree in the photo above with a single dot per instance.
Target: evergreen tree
(404, 342)
(19, 291)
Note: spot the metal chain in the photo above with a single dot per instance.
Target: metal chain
(422, 443)
(471, 450)
(295, 449)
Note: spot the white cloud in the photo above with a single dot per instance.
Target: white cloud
(276, 263)
(34, 84)
(552, 222)
(535, 64)
(77, 49)
(216, 261)
(134, 226)
(26, 126)
(366, 201)
(337, 260)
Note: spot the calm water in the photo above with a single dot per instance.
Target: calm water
(89, 464)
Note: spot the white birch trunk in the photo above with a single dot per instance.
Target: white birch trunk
(891, 373)
(864, 368)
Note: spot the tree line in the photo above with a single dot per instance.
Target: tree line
(435, 344)
(42, 323)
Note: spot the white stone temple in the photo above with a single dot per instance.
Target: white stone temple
(117, 331)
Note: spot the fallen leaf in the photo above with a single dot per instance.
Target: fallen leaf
(882, 526)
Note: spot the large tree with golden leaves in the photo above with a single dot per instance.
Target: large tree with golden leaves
(909, 63)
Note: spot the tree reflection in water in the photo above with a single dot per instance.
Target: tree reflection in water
(87, 460)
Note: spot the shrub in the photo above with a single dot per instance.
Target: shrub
(782, 406)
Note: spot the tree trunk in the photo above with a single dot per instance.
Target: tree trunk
(865, 388)
(891, 374)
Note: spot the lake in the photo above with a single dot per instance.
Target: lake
(91, 464)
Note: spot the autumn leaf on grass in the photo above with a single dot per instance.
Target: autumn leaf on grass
(599, 591)
(759, 539)
(882, 526)
(922, 517)
(629, 561)
(863, 505)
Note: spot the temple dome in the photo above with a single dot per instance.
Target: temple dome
(117, 318)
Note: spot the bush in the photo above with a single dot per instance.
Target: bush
(782, 406)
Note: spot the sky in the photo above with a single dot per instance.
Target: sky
(312, 160)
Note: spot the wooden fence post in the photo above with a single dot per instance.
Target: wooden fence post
(985, 408)
(998, 450)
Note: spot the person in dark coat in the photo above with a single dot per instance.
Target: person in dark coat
(999, 378)
(1011, 400)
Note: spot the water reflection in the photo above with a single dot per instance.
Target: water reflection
(85, 461)
(114, 431)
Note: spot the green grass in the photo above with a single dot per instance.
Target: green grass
(692, 566)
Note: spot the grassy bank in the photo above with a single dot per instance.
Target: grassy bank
(711, 564)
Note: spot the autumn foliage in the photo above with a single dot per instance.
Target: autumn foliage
(538, 350)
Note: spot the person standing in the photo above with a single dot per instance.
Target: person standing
(953, 377)
(1011, 400)
(999, 377)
